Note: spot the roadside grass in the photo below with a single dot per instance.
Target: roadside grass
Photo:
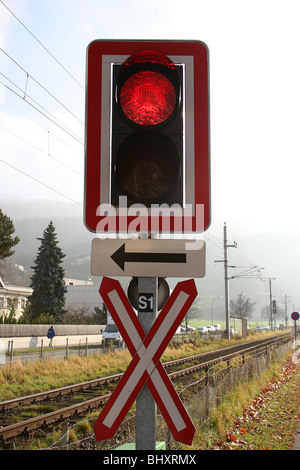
(17, 379)
(262, 414)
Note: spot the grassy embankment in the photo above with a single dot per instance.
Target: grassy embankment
(262, 414)
(20, 379)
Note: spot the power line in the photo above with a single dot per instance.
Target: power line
(38, 83)
(40, 150)
(32, 99)
(42, 127)
(39, 181)
(65, 129)
(41, 44)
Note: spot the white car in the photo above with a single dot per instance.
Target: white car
(186, 330)
(202, 329)
(111, 335)
(210, 328)
(217, 327)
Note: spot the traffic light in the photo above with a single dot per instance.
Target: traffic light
(147, 130)
(147, 135)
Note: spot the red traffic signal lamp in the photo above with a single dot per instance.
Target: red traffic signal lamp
(148, 88)
(147, 131)
(147, 135)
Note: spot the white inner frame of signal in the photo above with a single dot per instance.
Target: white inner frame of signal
(189, 138)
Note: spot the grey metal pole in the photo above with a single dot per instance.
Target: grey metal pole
(285, 305)
(271, 309)
(11, 350)
(145, 404)
(42, 345)
(227, 311)
(64, 436)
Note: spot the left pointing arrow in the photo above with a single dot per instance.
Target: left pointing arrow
(120, 257)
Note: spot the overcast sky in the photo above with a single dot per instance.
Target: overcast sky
(254, 96)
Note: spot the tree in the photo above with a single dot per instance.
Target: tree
(265, 313)
(7, 242)
(47, 281)
(242, 307)
(100, 315)
(193, 312)
(77, 316)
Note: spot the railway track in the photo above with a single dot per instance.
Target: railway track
(198, 363)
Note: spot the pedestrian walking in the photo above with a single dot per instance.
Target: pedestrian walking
(50, 335)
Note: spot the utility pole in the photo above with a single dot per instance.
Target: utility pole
(270, 279)
(226, 279)
(227, 306)
(271, 306)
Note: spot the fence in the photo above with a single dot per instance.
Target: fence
(16, 330)
(207, 393)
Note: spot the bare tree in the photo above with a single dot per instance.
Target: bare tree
(241, 307)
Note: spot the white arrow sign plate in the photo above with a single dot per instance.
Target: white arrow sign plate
(148, 258)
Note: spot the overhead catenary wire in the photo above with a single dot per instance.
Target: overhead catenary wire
(40, 182)
(60, 125)
(40, 150)
(262, 275)
(23, 95)
(28, 75)
(43, 46)
(50, 133)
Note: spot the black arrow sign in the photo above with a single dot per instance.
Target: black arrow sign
(120, 257)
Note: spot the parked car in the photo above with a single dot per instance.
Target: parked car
(210, 328)
(217, 327)
(266, 328)
(258, 329)
(111, 335)
(185, 329)
(202, 329)
(190, 328)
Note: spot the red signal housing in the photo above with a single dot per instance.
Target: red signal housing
(147, 134)
(147, 150)
(148, 88)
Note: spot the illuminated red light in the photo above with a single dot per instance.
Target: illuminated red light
(148, 98)
(147, 95)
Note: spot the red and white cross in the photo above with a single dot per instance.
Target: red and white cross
(145, 367)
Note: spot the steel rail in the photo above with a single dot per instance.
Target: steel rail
(68, 389)
(15, 429)
(57, 392)
(220, 352)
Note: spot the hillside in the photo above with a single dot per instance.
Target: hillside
(32, 217)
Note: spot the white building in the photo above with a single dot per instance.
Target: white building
(85, 294)
(10, 296)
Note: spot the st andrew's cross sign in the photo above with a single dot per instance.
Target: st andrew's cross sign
(145, 366)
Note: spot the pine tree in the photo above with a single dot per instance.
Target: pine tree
(47, 281)
(6, 241)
